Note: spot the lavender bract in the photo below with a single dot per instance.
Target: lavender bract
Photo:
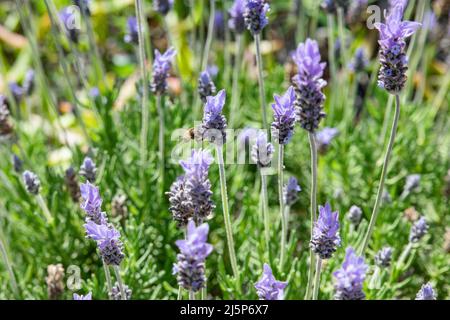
(161, 68)
(348, 281)
(426, 292)
(206, 85)
(284, 116)
(418, 230)
(190, 266)
(255, 15)
(214, 122)
(290, 192)
(262, 151)
(92, 203)
(162, 6)
(32, 182)
(81, 297)
(132, 31)
(393, 59)
(325, 238)
(237, 20)
(268, 288)
(383, 257)
(88, 169)
(108, 241)
(308, 84)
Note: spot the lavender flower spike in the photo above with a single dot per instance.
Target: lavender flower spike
(92, 203)
(32, 182)
(132, 31)
(349, 279)
(326, 237)
(69, 22)
(255, 15)
(262, 151)
(190, 266)
(81, 297)
(383, 257)
(308, 85)
(88, 169)
(268, 288)
(354, 215)
(108, 242)
(426, 292)
(291, 190)
(162, 6)
(236, 13)
(418, 230)
(214, 122)
(394, 62)
(284, 116)
(206, 85)
(161, 68)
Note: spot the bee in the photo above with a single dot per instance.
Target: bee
(189, 135)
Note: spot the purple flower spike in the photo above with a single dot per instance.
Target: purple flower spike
(255, 15)
(32, 182)
(132, 35)
(284, 116)
(214, 122)
(308, 85)
(161, 68)
(237, 20)
(290, 192)
(92, 203)
(324, 138)
(190, 266)
(394, 62)
(206, 85)
(418, 230)
(359, 62)
(326, 237)
(349, 279)
(88, 169)
(81, 297)
(262, 151)
(426, 293)
(69, 22)
(108, 241)
(268, 288)
(162, 6)
(17, 91)
(383, 257)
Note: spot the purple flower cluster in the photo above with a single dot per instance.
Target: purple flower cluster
(284, 116)
(290, 191)
(418, 230)
(161, 68)
(92, 203)
(394, 62)
(383, 257)
(69, 22)
(206, 85)
(237, 20)
(325, 237)
(255, 15)
(88, 169)
(350, 278)
(190, 195)
(132, 35)
(262, 151)
(268, 288)
(308, 84)
(32, 182)
(162, 6)
(426, 292)
(214, 122)
(190, 265)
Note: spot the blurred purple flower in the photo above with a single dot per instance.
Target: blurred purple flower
(161, 68)
(418, 230)
(32, 182)
(268, 288)
(237, 20)
(17, 163)
(359, 62)
(325, 238)
(69, 21)
(284, 116)
(324, 138)
(81, 297)
(162, 6)
(354, 215)
(262, 151)
(290, 191)
(83, 5)
(132, 35)
(383, 257)
(17, 91)
(348, 281)
(28, 82)
(206, 86)
(255, 15)
(88, 169)
(426, 292)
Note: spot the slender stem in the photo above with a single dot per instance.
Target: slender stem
(226, 213)
(383, 176)
(235, 87)
(108, 278)
(44, 208)
(342, 40)
(265, 207)
(161, 137)
(180, 293)
(262, 94)
(120, 283)
(404, 255)
(387, 116)
(12, 277)
(144, 114)
(312, 143)
(209, 37)
(280, 196)
(191, 295)
(317, 278)
(331, 59)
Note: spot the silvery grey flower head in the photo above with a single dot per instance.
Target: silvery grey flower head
(268, 288)
(55, 281)
(393, 59)
(88, 169)
(32, 182)
(160, 72)
(119, 206)
(115, 292)
(383, 257)
(262, 151)
(360, 62)
(290, 191)
(418, 230)
(348, 281)
(5, 124)
(71, 181)
(81, 297)
(284, 116)
(162, 6)
(308, 85)
(206, 85)
(324, 138)
(214, 122)
(325, 238)
(17, 163)
(108, 241)
(28, 82)
(69, 22)
(132, 35)
(255, 15)
(236, 13)
(92, 203)
(426, 292)
(354, 215)
(190, 265)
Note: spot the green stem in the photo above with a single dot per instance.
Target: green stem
(209, 37)
(383, 176)
(235, 87)
(313, 147)
(262, 94)
(331, 59)
(226, 213)
(108, 278)
(119, 282)
(265, 207)
(44, 208)
(161, 138)
(404, 255)
(12, 277)
(191, 295)
(317, 278)
(180, 293)
(281, 201)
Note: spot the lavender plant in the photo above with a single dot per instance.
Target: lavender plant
(348, 281)
(268, 288)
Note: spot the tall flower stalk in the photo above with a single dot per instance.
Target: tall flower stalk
(308, 85)
(255, 20)
(8, 265)
(392, 78)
